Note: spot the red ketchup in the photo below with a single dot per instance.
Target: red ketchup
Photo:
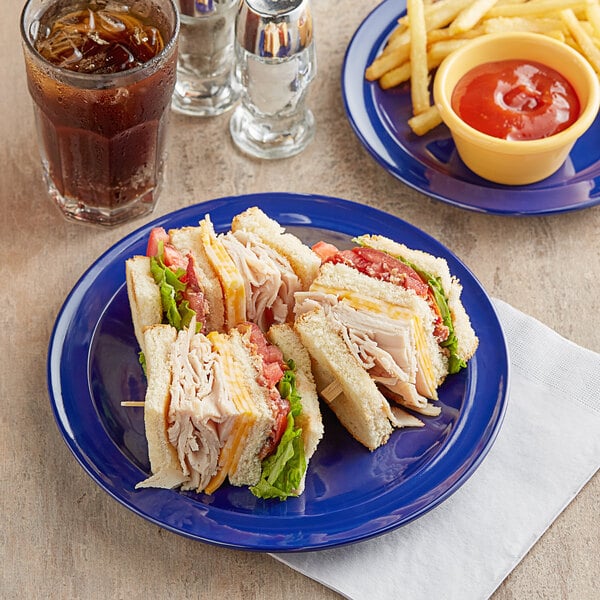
(516, 100)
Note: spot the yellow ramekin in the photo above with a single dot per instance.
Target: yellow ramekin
(516, 162)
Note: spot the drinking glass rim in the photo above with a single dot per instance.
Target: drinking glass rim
(106, 77)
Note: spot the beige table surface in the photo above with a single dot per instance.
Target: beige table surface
(62, 536)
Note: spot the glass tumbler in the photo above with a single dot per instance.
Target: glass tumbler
(101, 74)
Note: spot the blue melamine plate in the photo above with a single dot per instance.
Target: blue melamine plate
(351, 493)
(430, 164)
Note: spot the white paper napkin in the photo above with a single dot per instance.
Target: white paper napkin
(547, 449)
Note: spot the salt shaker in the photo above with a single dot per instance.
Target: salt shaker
(206, 84)
(276, 62)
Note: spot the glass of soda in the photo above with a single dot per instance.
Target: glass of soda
(101, 74)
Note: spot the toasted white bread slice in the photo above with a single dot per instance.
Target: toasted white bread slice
(360, 407)
(189, 240)
(467, 338)
(164, 463)
(144, 296)
(438, 267)
(302, 259)
(310, 419)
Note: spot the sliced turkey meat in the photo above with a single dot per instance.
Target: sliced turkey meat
(201, 413)
(385, 347)
(270, 281)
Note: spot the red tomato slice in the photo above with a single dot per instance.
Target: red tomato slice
(385, 267)
(270, 353)
(172, 258)
(324, 250)
(158, 234)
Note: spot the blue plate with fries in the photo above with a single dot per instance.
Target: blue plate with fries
(430, 163)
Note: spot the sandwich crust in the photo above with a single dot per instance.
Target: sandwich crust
(144, 296)
(164, 463)
(303, 260)
(361, 407)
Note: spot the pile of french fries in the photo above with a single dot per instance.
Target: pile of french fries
(432, 29)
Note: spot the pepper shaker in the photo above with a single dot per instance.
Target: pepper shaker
(276, 62)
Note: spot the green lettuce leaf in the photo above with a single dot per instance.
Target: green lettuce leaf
(282, 472)
(455, 362)
(176, 310)
(142, 361)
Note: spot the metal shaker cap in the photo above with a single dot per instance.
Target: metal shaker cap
(274, 28)
(199, 8)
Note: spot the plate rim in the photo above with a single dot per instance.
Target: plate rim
(233, 204)
(386, 12)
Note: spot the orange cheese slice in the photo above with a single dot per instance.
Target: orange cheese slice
(232, 282)
(240, 395)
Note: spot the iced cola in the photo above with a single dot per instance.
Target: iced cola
(101, 74)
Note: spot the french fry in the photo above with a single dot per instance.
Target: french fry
(437, 15)
(502, 24)
(558, 35)
(580, 35)
(426, 121)
(534, 7)
(470, 16)
(387, 62)
(398, 41)
(433, 29)
(589, 28)
(396, 76)
(441, 13)
(438, 51)
(419, 77)
(441, 35)
(436, 54)
(397, 38)
(592, 11)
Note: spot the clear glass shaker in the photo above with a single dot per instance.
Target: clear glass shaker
(206, 84)
(276, 62)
